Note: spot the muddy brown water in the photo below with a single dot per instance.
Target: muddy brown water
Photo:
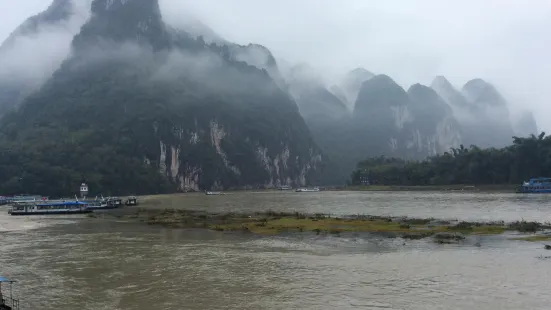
(75, 262)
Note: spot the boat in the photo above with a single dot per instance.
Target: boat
(99, 204)
(114, 202)
(302, 190)
(285, 188)
(7, 302)
(536, 185)
(208, 193)
(22, 199)
(50, 207)
(131, 201)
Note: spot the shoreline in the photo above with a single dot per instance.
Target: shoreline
(486, 188)
(504, 188)
(501, 188)
(275, 223)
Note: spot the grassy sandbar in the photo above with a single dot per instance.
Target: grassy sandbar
(271, 223)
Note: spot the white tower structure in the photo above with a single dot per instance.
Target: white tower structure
(83, 190)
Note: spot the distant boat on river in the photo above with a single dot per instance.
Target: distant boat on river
(302, 190)
(536, 186)
(209, 193)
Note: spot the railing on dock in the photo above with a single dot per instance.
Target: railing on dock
(9, 303)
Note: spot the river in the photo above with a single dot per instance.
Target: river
(76, 262)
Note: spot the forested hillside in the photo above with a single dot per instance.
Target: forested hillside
(525, 158)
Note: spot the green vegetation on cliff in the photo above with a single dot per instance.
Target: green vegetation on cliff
(139, 107)
(525, 158)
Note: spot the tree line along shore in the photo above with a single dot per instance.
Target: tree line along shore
(502, 168)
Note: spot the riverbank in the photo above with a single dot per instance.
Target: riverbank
(501, 188)
(498, 188)
(274, 223)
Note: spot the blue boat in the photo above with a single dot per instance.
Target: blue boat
(7, 302)
(50, 207)
(23, 198)
(536, 185)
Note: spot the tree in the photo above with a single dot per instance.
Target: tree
(525, 158)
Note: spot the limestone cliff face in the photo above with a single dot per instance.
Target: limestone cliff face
(265, 166)
(386, 119)
(480, 109)
(436, 129)
(412, 124)
(158, 100)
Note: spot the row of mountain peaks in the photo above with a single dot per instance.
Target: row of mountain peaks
(181, 108)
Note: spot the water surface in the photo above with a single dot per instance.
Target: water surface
(84, 263)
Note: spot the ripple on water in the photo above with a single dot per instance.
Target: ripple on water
(97, 266)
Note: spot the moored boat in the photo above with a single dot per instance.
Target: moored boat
(7, 302)
(536, 186)
(131, 201)
(302, 190)
(114, 202)
(50, 207)
(208, 193)
(100, 204)
(22, 199)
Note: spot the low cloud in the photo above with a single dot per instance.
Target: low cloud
(32, 56)
(502, 41)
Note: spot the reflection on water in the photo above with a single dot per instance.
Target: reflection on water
(94, 264)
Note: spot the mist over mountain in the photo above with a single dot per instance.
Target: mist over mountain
(140, 106)
(316, 103)
(480, 109)
(36, 48)
(126, 101)
(350, 85)
(525, 125)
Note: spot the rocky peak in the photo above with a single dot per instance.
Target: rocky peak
(381, 91)
(428, 95)
(450, 95)
(425, 101)
(124, 20)
(434, 128)
(525, 124)
(357, 75)
(489, 123)
(441, 85)
(260, 57)
(58, 11)
(351, 84)
(101, 6)
(482, 93)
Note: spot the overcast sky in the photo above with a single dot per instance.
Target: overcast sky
(506, 42)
